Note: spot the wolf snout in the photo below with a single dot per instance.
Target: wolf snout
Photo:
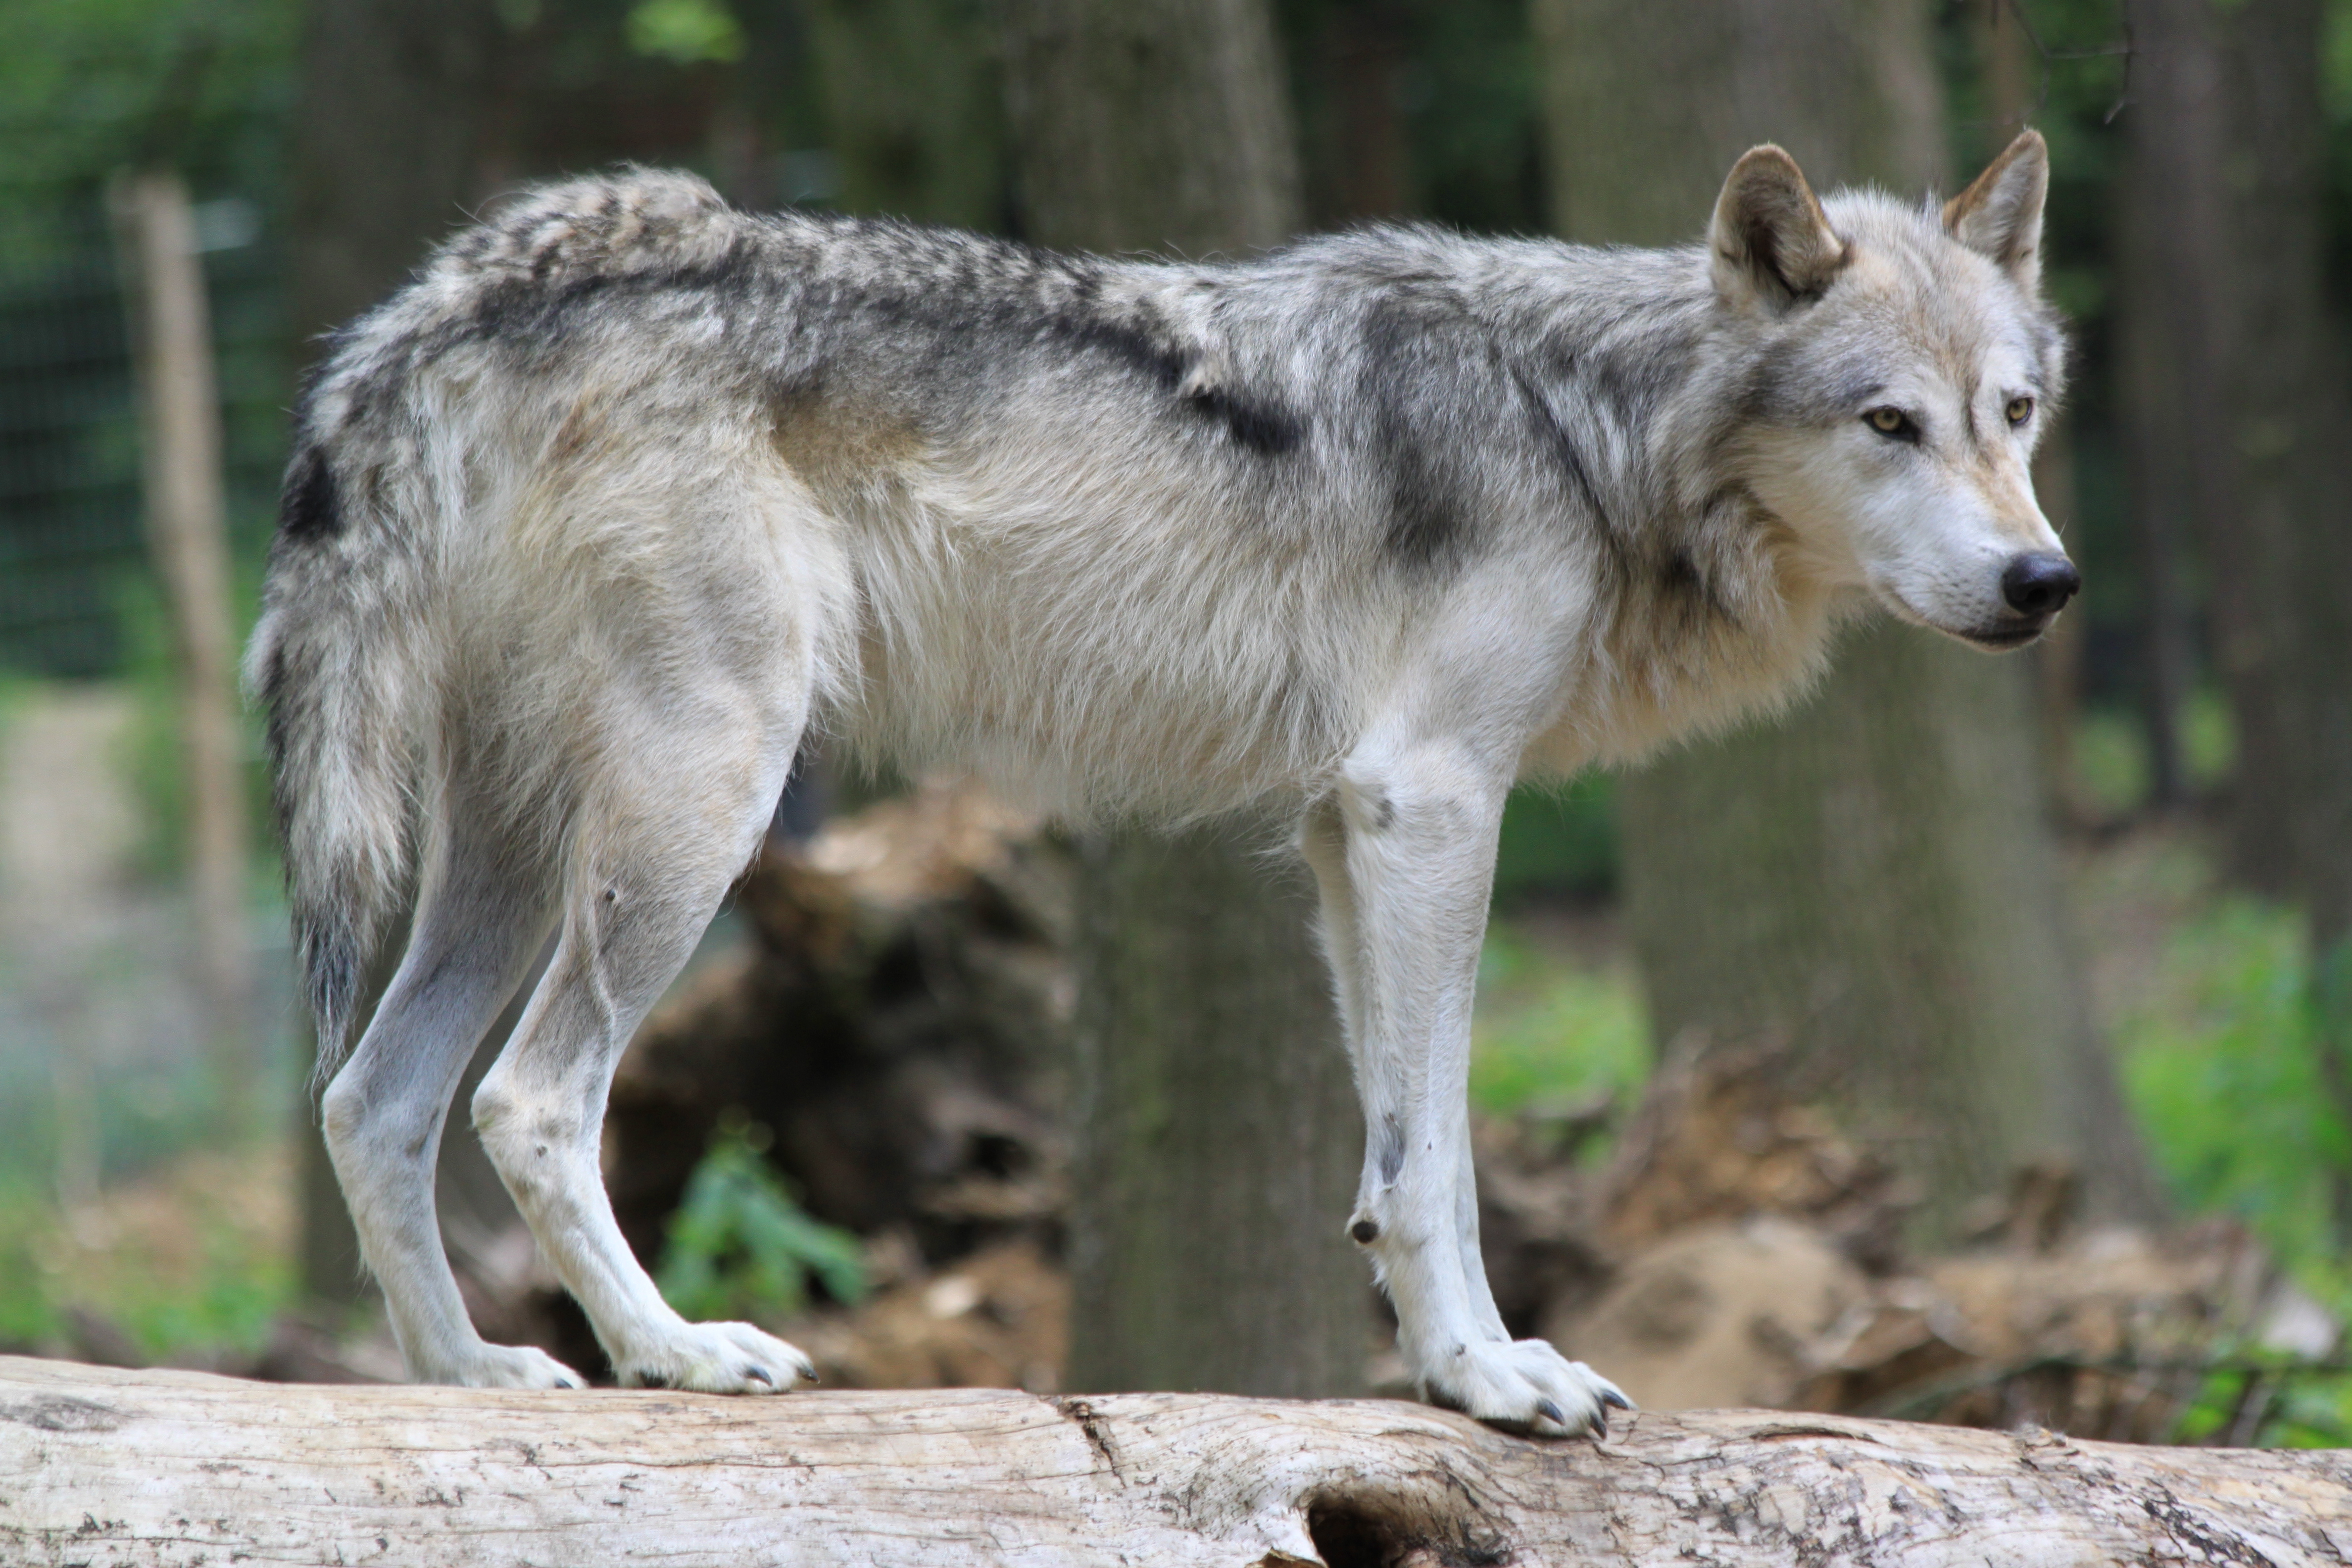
(2039, 583)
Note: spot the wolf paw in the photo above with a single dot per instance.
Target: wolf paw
(720, 1358)
(509, 1367)
(1524, 1385)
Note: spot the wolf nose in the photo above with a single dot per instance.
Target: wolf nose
(2039, 583)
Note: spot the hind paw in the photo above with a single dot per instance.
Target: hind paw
(718, 1358)
(508, 1366)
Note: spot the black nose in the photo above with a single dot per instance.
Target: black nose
(2039, 583)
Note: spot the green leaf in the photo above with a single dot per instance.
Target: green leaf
(739, 1247)
(684, 32)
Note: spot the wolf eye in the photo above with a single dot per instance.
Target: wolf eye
(2021, 409)
(1891, 422)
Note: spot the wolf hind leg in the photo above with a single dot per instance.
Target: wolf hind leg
(482, 912)
(657, 841)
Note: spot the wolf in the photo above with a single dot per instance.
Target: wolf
(628, 493)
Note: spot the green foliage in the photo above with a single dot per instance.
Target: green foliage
(2265, 1400)
(741, 1247)
(2111, 756)
(1551, 1032)
(26, 1315)
(684, 32)
(223, 1291)
(89, 85)
(1558, 841)
(2227, 1085)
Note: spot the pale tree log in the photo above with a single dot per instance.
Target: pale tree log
(179, 1468)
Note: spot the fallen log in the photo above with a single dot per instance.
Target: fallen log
(99, 1465)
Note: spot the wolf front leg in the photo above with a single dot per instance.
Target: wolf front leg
(1406, 860)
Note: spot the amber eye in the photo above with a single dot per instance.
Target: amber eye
(2021, 409)
(1888, 421)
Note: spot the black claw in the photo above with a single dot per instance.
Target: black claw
(762, 1374)
(565, 1382)
(1600, 1425)
(1615, 1400)
(1553, 1413)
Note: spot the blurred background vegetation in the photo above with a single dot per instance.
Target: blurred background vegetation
(126, 1199)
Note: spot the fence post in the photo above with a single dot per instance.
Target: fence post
(181, 438)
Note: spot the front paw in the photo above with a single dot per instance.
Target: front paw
(718, 1358)
(1524, 1385)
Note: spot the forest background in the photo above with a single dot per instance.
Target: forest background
(2130, 849)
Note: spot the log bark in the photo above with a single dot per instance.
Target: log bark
(165, 1468)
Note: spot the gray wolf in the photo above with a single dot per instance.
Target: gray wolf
(627, 492)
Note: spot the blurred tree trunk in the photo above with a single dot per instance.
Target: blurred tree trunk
(2174, 241)
(1874, 878)
(2284, 571)
(395, 97)
(388, 138)
(2227, 172)
(1215, 1161)
(912, 109)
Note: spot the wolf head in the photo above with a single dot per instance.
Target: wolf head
(1906, 365)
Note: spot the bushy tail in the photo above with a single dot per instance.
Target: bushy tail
(337, 659)
(331, 664)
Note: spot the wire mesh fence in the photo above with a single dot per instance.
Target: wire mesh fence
(73, 561)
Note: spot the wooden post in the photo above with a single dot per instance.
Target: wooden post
(179, 1468)
(179, 430)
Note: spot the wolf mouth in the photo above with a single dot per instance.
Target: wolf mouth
(2000, 639)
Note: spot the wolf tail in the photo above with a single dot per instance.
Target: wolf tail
(341, 660)
(334, 667)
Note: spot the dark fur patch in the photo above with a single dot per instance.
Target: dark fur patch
(308, 509)
(1416, 355)
(1391, 1147)
(1263, 427)
(1260, 426)
(1572, 458)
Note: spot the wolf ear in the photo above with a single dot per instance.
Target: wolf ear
(1770, 240)
(2001, 214)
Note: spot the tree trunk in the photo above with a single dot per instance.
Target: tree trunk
(1217, 1148)
(389, 127)
(2173, 244)
(1157, 125)
(2227, 164)
(912, 109)
(228, 1472)
(2282, 558)
(1875, 877)
(1215, 1152)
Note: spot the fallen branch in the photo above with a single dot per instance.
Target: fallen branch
(99, 1466)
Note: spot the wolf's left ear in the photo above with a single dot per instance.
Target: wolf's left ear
(1772, 245)
(2000, 214)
